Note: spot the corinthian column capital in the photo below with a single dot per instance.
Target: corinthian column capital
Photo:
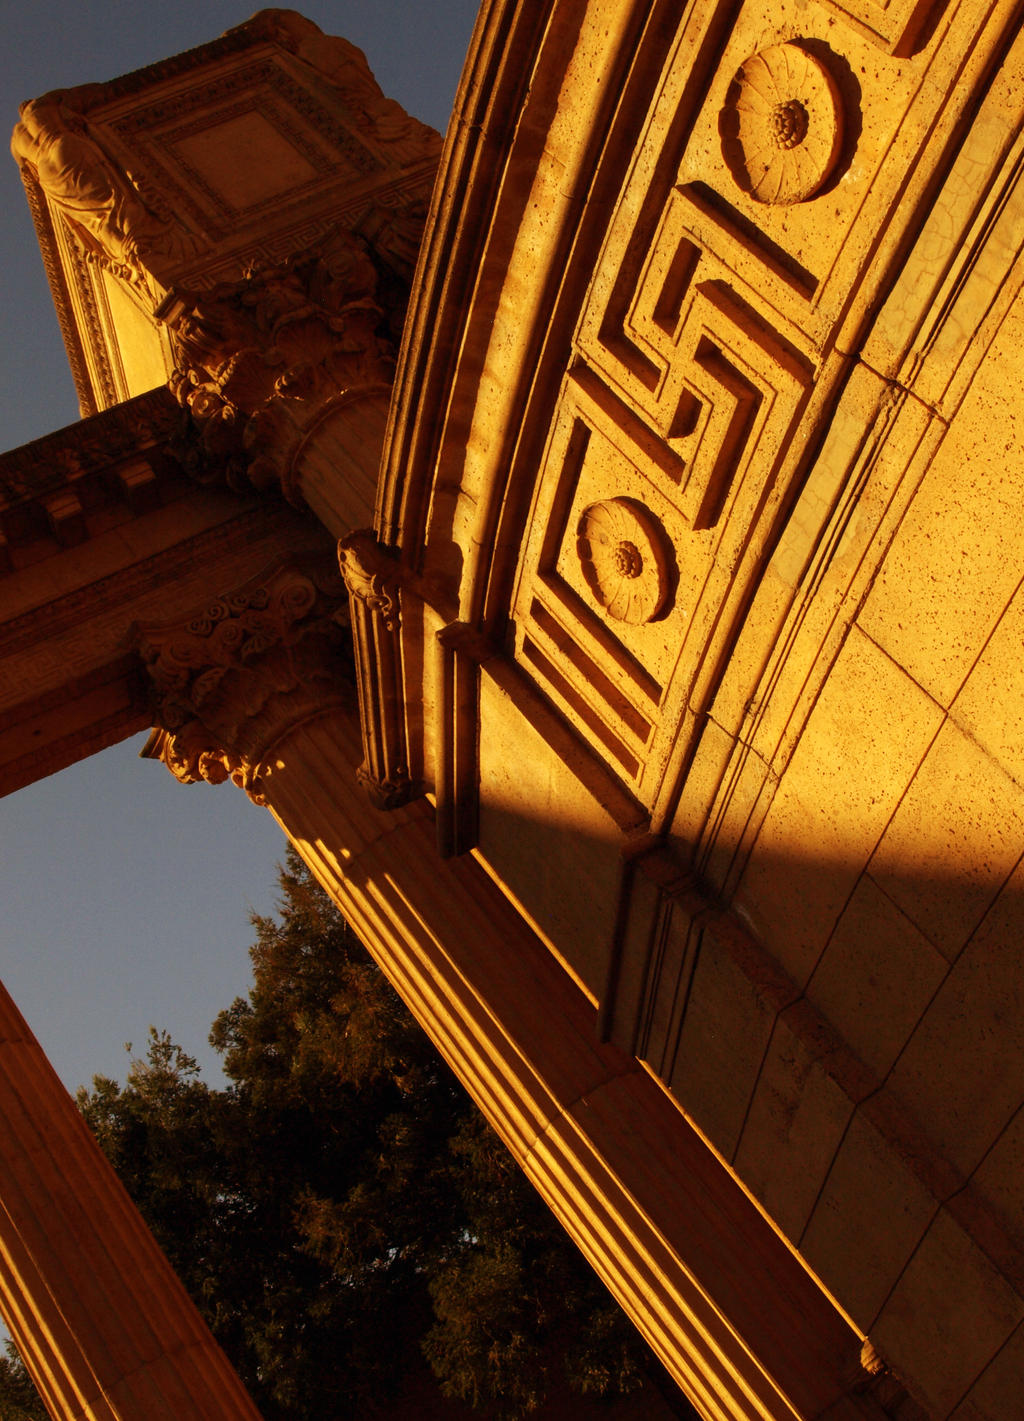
(228, 683)
(259, 362)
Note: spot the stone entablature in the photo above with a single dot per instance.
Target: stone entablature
(59, 490)
(101, 527)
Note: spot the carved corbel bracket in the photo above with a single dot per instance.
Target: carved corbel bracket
(228, 684)
(374, 580)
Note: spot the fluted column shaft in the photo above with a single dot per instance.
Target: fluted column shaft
(106, 1330)
(334, 470)
(731, 1312)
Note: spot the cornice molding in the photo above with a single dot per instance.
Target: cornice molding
(90, 447)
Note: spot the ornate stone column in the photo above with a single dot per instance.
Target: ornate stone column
(286, 377)
(260, 688)
(107, 1331)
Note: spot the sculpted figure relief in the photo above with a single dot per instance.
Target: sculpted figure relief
(101, 204)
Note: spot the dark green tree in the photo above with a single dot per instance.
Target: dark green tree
(341, 1213)
(19, 1400)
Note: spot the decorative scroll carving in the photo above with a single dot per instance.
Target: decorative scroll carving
(625, 559)
(258, 361)
(373, 579)
(371, 576)
(229, 683)
(782, 125)
(102, 205)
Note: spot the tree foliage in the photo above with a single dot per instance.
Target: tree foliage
(341, 1213)
(19, 1400)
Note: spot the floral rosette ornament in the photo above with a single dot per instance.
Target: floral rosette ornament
(624, 558)
(782, 125)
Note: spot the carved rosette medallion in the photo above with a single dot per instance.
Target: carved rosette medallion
(228, 683)
(625, 557)
(782, 125)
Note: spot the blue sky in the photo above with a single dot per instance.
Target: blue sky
(125, 896)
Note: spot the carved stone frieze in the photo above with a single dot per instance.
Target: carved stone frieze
(259, 361)
(226, 685)
(782, 125)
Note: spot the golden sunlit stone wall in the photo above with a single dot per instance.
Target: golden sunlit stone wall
(885, 878)
(731, 459)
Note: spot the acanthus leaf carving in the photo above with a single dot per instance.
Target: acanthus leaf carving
(192, 755)
(258, 361)
(229, 682)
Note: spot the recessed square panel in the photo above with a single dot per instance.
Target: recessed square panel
(245, 160)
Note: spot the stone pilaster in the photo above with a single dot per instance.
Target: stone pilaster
(373, 579)
(660, 1219)
(106, 1329)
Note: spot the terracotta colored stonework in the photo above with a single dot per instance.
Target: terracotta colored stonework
(656, 718)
